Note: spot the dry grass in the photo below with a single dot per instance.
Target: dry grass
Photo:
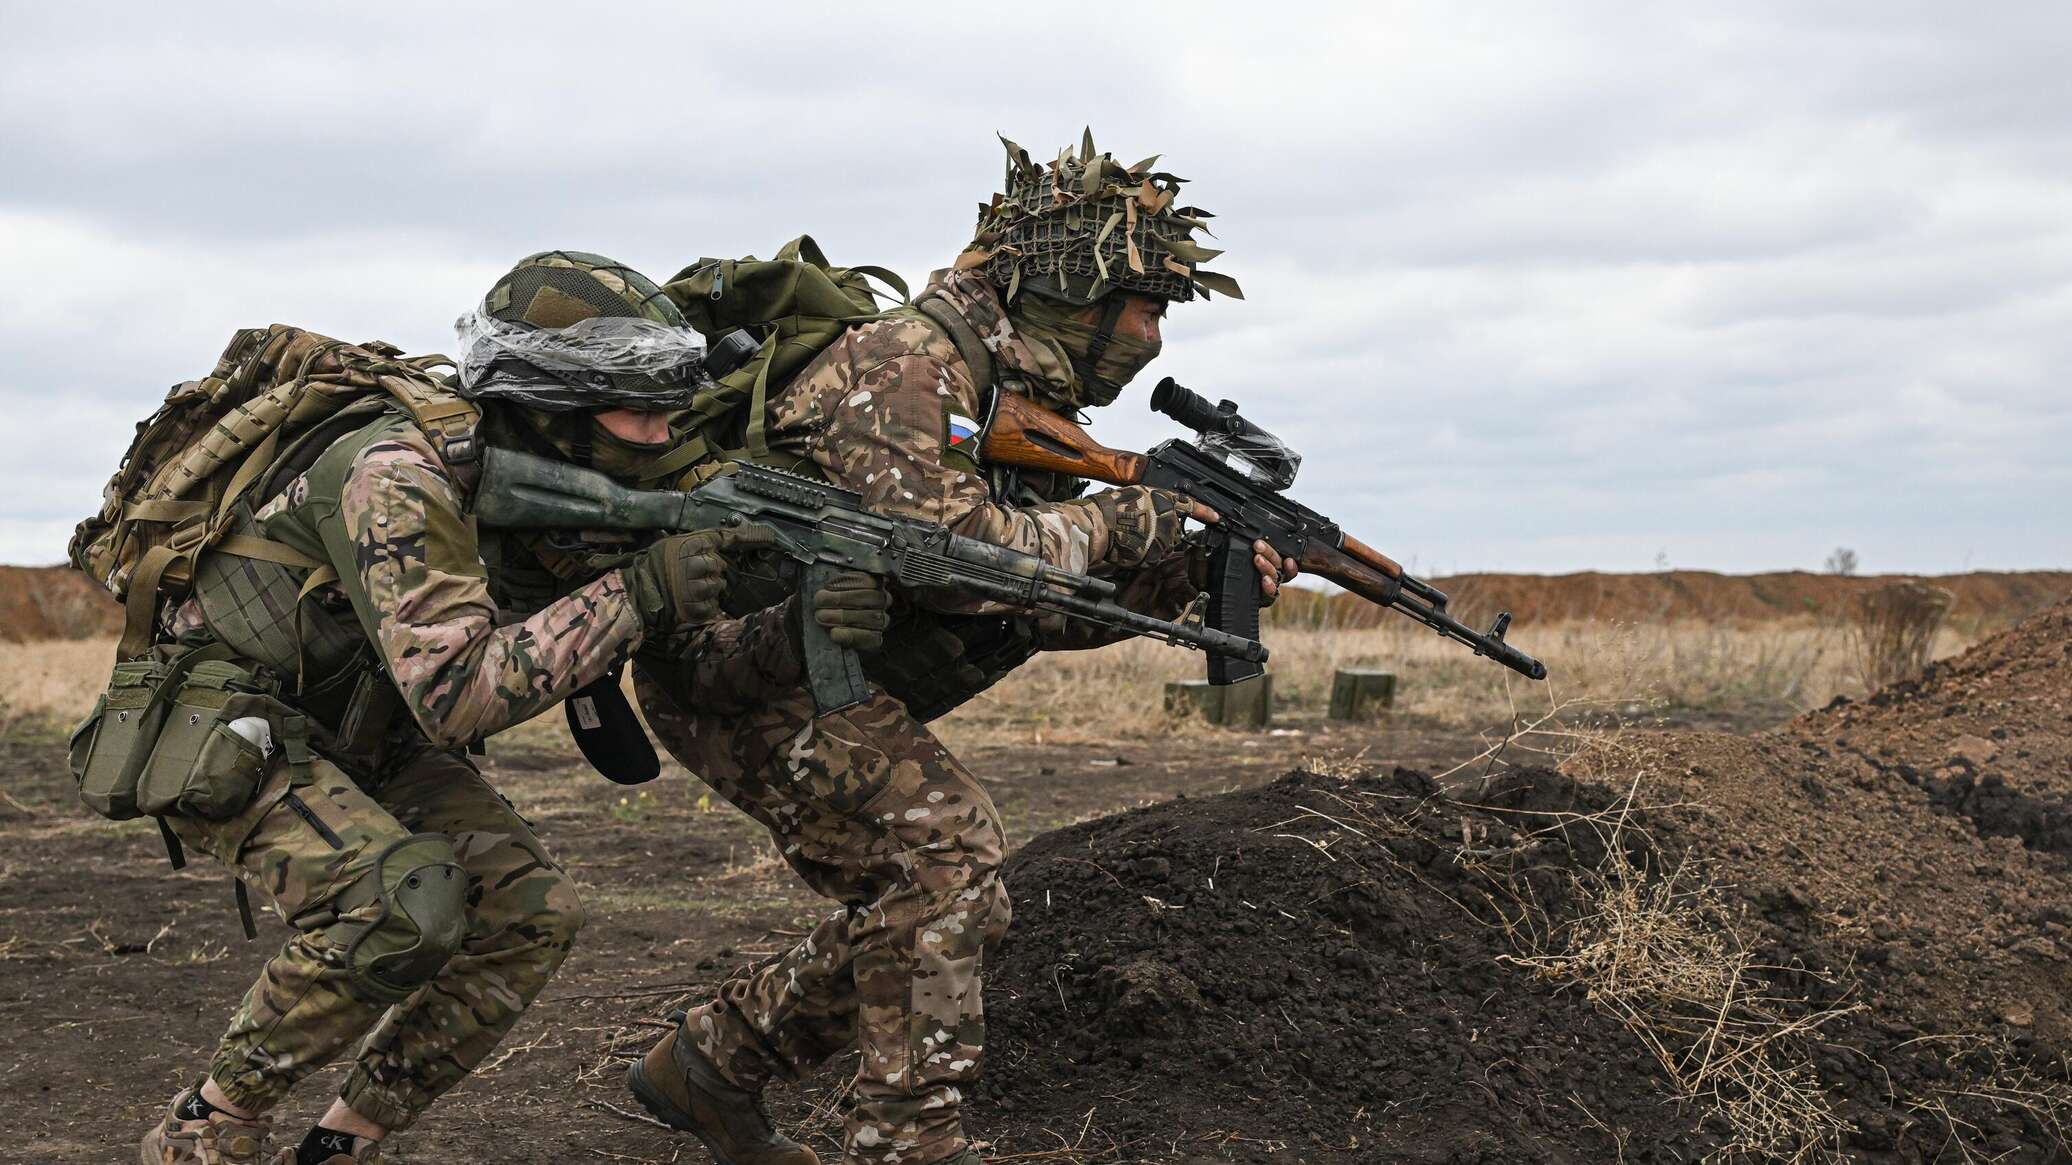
(1774, 669)
(1656, 949)
(1892, 631)
(52, 683)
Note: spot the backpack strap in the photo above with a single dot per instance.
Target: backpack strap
(887, 277)
(140, 606)
(447, 418)
(977, 357)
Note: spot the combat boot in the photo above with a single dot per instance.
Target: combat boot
(219, 1139)
(683, 1089)
(349, 1150)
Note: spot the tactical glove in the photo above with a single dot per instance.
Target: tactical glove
(1144, 524)
(677, 582)
(855, 608)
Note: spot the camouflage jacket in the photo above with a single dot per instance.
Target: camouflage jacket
(877, 412)
(418, 588)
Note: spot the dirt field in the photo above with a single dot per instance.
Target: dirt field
(117, 973)
(1838, 937)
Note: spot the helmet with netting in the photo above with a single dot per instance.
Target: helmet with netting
(1083, 225)
(568, 330)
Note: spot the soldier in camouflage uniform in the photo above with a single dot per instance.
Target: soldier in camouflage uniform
(1059, 300)
(427, 913)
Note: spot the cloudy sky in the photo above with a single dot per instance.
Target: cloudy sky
(1539, 288)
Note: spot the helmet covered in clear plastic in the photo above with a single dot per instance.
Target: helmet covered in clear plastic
(1083, 225)
(570, 330)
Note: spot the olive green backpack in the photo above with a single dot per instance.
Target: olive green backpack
(794, 306)
(177, 492)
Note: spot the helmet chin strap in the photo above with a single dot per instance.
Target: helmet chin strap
(579, 450)
(1111, 315)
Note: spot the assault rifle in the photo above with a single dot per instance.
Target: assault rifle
(1239, 470)
(827, 530)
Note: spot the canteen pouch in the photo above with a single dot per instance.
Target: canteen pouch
(110, 747)
(203, 766)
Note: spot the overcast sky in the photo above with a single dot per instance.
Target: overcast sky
(1535, 287)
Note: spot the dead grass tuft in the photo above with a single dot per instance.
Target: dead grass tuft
(1657, 948)
(1891, 631)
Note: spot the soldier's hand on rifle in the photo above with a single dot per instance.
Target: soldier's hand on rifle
(855, 608)
(677, 582)
(1145, 524)
(1270, 576)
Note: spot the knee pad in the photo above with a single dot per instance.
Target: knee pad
(419, 897)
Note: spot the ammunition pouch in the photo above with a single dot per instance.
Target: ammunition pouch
(185, 731)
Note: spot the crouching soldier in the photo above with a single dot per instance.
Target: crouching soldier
(1058, 300)
(427, 914)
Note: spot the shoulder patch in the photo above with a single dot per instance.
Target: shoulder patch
(959, 432)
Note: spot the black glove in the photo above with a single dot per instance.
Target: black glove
(855, 608)
(677, 582)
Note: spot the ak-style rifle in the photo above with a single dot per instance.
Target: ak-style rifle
(826, 529)
(1239, 470)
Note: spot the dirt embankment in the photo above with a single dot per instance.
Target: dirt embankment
(53, 602)
(1852, 937)
(1985, 601)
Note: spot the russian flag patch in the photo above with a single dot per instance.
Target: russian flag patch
(961, 432)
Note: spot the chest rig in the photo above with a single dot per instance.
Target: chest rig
(932, 661)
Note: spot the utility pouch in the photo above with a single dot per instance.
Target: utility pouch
(110, 747)
(221, 732)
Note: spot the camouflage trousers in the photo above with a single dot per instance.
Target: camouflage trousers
(302, 845)
(872, 811)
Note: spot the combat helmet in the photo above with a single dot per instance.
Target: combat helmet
(1083, 225)
(570, 330)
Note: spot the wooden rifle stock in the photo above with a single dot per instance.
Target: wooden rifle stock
(1351, 571)
(1030, 436)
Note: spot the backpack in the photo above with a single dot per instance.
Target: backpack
(176, 491)
(794, 305)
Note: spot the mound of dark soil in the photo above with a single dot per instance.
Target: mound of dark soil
(1318, 968)
(1289, 973)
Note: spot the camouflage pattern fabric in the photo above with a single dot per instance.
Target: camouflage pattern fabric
(381, 508)
(417, 582)
(866, 805)
(873, 411)
(300, 846)
(873, 812)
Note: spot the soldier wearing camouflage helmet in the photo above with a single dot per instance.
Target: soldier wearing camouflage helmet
(428, 915)
(1058, 299)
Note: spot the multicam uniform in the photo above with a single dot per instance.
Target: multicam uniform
(868, 807)
(381, 508)
(470, 655)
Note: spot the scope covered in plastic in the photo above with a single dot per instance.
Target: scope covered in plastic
(1268, 459)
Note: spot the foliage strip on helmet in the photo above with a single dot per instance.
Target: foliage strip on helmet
(1083, 225)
